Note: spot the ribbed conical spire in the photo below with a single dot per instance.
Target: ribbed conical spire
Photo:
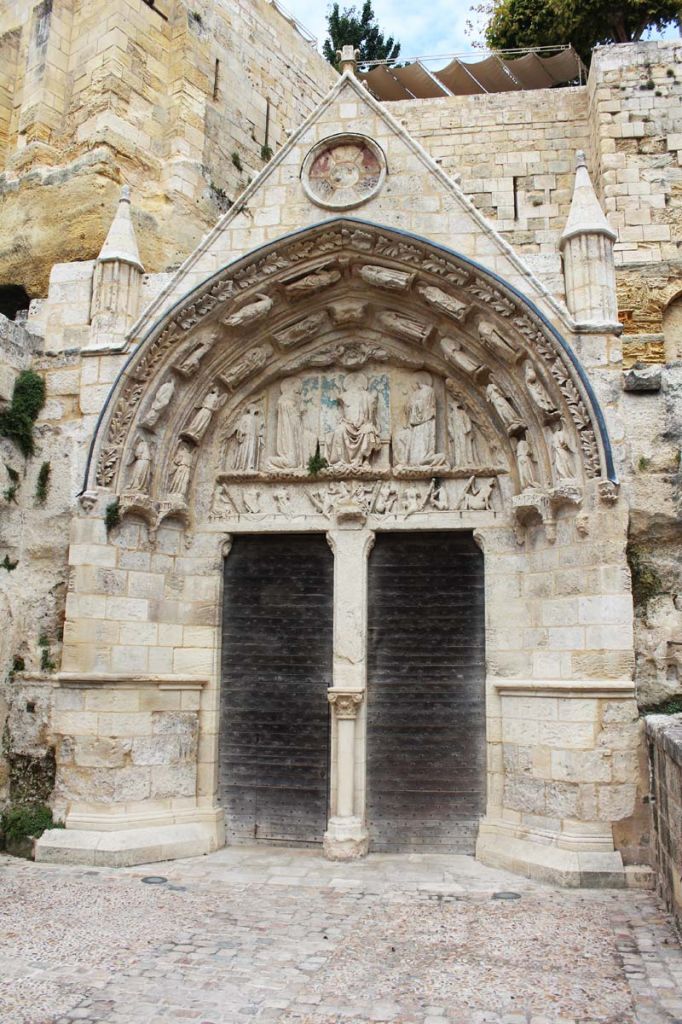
(586, 216)
(120, 243)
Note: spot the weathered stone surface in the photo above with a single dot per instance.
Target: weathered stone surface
(642, 378)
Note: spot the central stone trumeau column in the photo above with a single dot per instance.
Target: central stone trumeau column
(346, 835)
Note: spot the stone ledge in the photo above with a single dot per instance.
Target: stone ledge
(618, 688)
(85, 680)
(126, 847)
(542, 862)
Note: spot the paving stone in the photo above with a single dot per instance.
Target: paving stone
(84, 948)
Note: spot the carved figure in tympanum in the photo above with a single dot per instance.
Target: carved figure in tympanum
(386, 499)
(294, 443)
(453, 352)
(495, 341)
(252, 362)
(463, 435)
(415, 444)
(247, 437)
(190, 364)
(356, 437)
(477, 497)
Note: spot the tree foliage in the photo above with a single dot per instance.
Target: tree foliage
(526, 23)
(350, 27)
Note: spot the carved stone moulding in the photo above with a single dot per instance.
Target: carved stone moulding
(532, 504)
(343, 171)
(349, 472)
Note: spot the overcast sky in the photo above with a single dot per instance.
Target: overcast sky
(435, 28)
(422, 27)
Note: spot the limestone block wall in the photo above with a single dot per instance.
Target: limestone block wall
(183, 102)
(664, 736)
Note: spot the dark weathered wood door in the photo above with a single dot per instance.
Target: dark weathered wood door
(426, 693)
(276, 667)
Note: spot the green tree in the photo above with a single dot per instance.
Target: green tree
(360, 30)
(519, 24)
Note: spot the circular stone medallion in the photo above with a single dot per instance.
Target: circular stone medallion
(343, 171)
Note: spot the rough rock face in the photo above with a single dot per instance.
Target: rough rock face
(35, 536)
(152, 104)
(656, 538)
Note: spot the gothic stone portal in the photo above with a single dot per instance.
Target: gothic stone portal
(433, 398)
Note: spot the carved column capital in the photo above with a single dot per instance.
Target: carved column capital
(345, 703)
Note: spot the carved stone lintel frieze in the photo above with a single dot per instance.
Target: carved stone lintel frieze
(345, 703)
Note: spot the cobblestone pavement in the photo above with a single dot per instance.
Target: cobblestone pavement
(252, 935)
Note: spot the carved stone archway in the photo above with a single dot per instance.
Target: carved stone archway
(429, 394)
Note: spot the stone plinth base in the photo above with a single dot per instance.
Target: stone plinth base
(125, 847)
(345, 839)
(546, 861)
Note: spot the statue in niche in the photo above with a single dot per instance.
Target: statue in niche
(538, 392)
(250, 313)
(181, 471)
(415, 444)
(191, 363)
(492, 338)
(525, 463)
(477, 498)
(454, 353)
(252, 362)
(462, 433)
(563, 454)
(294, 443)
(356, 437)
(213, 400)
(503, 407)
(247, 438)
(141, 466)
(162, 400)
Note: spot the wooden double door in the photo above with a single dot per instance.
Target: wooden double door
(425, 729)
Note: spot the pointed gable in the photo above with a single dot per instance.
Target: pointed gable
(416, 196)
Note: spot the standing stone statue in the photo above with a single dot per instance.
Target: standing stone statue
(181, 471)
(356, 437)
(162, 400)
(503, 407)
(247, 434)
(198, 426)
(525, 465)
(537, 391)
(294, 443)
(461, 432)
(141, 466)
(415, 445)
(563, 454)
